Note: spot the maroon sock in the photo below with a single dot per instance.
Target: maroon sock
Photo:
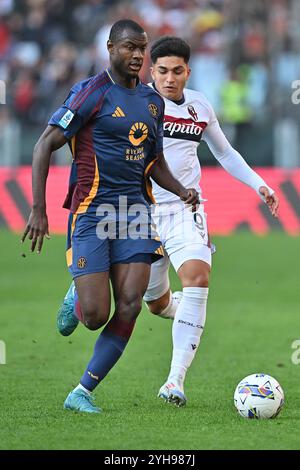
(120, 327)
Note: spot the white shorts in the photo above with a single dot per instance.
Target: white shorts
(184, 236)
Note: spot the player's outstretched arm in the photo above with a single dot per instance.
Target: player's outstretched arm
(232, 161)
(37, 225)
(162, 175)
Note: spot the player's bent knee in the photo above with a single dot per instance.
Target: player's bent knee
(198, 280)
(93, 319)
(201, 280)
(92, 325)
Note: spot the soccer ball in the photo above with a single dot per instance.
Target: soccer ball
(258, 396)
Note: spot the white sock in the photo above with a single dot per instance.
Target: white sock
(170, 310)
(81, 387)
(187, 329)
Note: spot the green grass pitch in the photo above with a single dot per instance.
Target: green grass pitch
(253, 318)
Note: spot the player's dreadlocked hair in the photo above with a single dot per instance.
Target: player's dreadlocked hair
(120, 26)
(170, 46)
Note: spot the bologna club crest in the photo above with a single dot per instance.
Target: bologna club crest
(192, 112)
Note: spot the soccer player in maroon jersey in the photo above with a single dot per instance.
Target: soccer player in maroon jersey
(114, 126)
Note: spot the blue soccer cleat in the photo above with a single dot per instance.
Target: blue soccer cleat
(172, 394)
(79, 400)
(66, 319)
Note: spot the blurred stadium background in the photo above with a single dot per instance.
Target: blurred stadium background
(246, 59)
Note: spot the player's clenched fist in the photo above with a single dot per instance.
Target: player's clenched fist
(190, 196)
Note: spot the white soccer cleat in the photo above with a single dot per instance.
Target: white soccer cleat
(172, 394)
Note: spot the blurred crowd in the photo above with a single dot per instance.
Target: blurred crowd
(245, 56)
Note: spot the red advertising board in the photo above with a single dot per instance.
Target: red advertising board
(231, 205)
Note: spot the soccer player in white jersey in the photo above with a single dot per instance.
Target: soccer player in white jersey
(189, 117)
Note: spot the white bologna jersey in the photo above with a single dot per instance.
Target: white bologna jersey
(183, 127)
